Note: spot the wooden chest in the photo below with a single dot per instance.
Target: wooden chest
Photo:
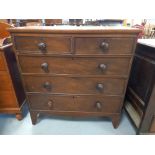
(75, 71)
(12, 94)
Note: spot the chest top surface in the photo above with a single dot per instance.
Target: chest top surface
(75, 29)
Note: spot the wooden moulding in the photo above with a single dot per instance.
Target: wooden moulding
(75, 30)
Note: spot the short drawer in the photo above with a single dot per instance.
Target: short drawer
(5, 82)
(67, 65)
(104, 45)
(104, 104)
(75, 103)
(74, 85)
(2, 64)
(51, 102)
(43, 45)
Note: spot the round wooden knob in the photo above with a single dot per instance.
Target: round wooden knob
(98, 105)
(42, 46)
(100, 86)
(47, 86)
(104, 46)
(102, 67)
(50, 104)
(44, 66)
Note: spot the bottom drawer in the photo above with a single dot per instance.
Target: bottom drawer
(81, 103)
(99, 104)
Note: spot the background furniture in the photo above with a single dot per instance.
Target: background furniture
(36, 22)
(3, 30)
(141, 88)
(25, 22)
(75, 71)
(12, 95)
(76, 22)
(50, 22)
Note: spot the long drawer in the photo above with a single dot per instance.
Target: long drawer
(103, 45)
(74, 85)
(76, 65)
(75, 103)
(42, 45)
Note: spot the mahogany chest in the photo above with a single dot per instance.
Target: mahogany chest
(75, 71)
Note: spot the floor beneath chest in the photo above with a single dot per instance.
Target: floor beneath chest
(63, 126)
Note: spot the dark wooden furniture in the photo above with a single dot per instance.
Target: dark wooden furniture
(12, 95)
(75, 71)
(76, 22)
(141, 88)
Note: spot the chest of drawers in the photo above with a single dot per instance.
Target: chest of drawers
(75, 71)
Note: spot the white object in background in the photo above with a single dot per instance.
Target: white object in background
(43, 22)
(148, 42)
(65, 21)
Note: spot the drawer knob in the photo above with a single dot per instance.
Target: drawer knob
(42, 46)
(104, 46)
(98, 105)
(44, 66)
(100, 86)
(47, 86)
(50, 104)
(103, 67)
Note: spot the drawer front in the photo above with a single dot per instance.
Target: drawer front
(49, 102)
(5, 82)
(104, 45)
(2, 64)
(75, 103)
(43, 45)
(99, 104)
(85, 66)
(75, 85)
